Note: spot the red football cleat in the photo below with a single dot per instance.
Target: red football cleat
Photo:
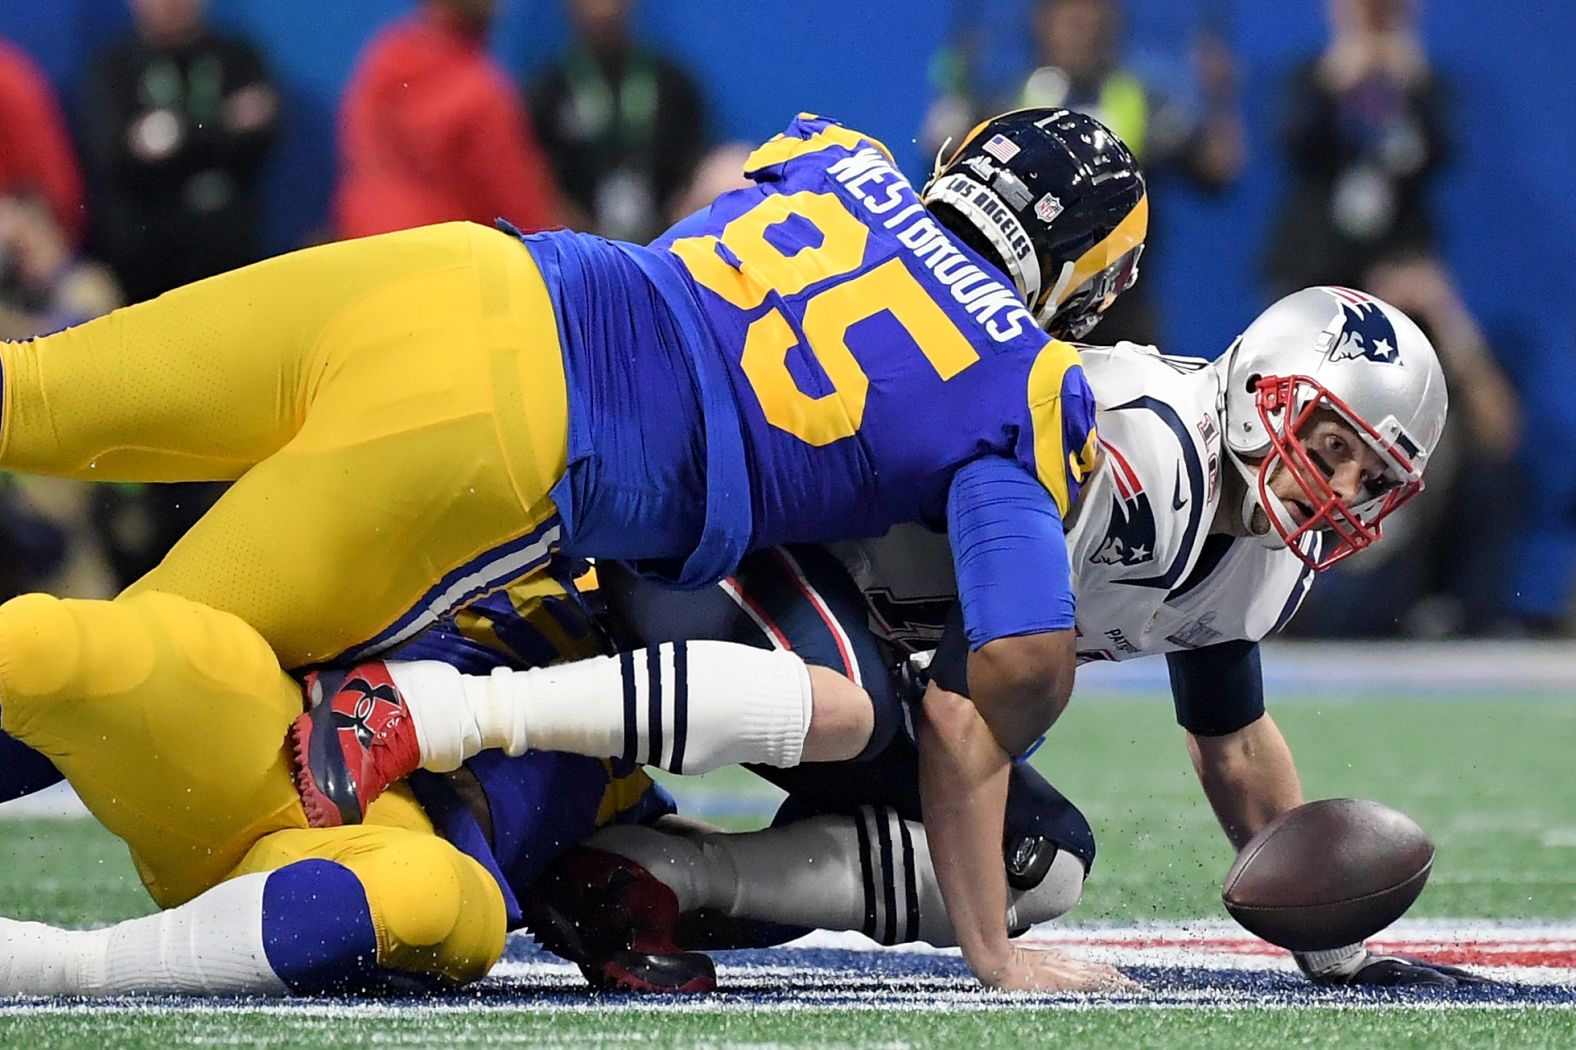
(355, 739)
(615, 920)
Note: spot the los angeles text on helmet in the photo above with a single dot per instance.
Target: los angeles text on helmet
(996, 306)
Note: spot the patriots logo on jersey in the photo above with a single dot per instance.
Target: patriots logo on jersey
(1130, 534)
(1364, 332)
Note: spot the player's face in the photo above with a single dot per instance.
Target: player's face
(1353, 470)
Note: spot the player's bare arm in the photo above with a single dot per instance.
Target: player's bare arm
(828, 871)
(959, 748)
(963, 786)
(1248, 776)
(1020, 684)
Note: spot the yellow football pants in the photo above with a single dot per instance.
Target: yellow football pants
(168, 719)
(394, 410)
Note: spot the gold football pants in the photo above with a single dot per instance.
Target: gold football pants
(168, 717)
(392, 410)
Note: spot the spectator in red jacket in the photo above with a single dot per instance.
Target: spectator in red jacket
(431, 129)
(35, 154)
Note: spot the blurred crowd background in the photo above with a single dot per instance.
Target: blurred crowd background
(1424, 150)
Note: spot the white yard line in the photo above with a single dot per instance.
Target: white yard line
(1545, 954)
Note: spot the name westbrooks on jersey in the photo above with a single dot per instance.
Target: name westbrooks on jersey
(1147, 575)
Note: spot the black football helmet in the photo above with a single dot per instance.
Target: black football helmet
(1057, 199)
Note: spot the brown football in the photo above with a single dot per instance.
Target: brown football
(1328, 874)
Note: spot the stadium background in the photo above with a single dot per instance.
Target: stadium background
(1505, 209)
(1513, 246)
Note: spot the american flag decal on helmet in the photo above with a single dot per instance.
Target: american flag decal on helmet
(1000, 147)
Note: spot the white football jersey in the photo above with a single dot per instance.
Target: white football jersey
(1144, 577)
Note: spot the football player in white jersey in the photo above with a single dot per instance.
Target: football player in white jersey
(1225, 487)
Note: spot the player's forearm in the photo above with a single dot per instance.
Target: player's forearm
(1249, 777)
(1021, 685)
(963, 789)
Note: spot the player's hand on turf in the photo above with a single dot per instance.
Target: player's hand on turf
(1031, 970)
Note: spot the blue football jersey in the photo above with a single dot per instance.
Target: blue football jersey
(847, 355)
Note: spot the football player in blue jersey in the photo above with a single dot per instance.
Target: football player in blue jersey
(416, 420)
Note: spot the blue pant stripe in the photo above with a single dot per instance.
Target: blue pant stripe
(516, 559)
(888, 886)
(654, 704)
(866, 870)
(680, 704)
(626, 666)
(910, 883)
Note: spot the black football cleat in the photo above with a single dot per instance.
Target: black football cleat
(614, 920)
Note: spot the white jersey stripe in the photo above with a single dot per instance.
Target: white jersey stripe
(845, 646)
(773, 633)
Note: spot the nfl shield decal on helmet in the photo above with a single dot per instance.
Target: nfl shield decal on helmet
(1361, 331)
(1047, 208)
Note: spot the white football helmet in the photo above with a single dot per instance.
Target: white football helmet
(1349, 353)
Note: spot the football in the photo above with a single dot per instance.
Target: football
(1328, 874)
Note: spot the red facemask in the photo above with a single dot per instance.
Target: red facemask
(1351, 528)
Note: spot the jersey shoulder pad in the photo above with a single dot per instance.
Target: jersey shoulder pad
(1129, 370)
(1062, 412)
(807, 135)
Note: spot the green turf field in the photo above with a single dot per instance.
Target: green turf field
(1153, 1029)
(1490, 778)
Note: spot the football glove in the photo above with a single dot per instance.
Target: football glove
(1356, 966)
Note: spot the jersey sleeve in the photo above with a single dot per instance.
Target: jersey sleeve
(807, 135)
(1217, 689)
(1009, 552)
(692, 225)
(1062, 449)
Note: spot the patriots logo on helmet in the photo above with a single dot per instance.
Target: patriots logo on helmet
(1365, 332)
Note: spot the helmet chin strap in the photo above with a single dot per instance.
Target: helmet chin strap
(1250, 503)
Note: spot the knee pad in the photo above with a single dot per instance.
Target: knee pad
(40, 649)
(437, 911)
(1060, 887)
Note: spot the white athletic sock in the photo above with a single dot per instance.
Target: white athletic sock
(871, 873)
(687, 707)
(212, 945)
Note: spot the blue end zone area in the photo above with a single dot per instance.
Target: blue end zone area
(787, 979)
